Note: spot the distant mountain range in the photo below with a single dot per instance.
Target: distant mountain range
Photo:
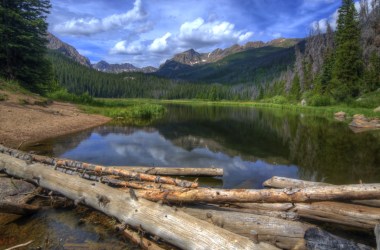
(119, 68)
(238, 64)
(56, 44)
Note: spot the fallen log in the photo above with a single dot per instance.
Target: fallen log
(169, 171)
(15, 208)
(352, 215)
(97, 169)
(377, 235)
(322, 193)
(283, 182)
(281, 233)
(171, 226)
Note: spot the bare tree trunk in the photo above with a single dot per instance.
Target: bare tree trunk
(281, 233)
(14, 208)
(283, 182)
(353, 215)
(175, 227)
(168, 171)
(320, 193)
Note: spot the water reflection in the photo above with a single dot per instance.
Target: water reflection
(250, 144)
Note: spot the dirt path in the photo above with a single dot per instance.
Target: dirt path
(23, 121)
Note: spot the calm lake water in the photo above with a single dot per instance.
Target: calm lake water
(251, 145)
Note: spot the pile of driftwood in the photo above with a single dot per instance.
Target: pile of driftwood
(152, 208)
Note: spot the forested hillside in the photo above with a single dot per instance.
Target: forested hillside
(336, 66)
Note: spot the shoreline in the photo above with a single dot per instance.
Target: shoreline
(22, 121)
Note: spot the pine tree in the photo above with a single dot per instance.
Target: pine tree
(22, 42)
(295, 90)
(348, 67)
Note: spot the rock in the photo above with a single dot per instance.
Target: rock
(303, 102)
(361, 122)
(341, 116)
(377, 109)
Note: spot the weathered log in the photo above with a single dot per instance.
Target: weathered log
(138, 239)
(97, 169)
(281, 233)
(15, 208)
(352, 215)
(283, 182)
(322, 240)
(169, 171)
(171, 226)
(322, 193)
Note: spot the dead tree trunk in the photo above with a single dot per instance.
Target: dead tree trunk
(281, 233)
(353, 215)
(320, 193)
(283, 182)
(20, 209)
(168, 171)
(175, 227)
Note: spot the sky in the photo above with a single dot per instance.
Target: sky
(148, 32)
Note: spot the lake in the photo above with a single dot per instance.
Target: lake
(250, 144)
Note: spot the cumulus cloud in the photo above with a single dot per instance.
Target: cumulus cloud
(93, 25)
(161, 44)
(199, 33)
(121, 47)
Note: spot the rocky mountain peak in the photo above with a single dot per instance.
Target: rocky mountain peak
(55, 44)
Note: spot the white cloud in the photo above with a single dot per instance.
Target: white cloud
(276, 35)
(322, 23)
(121, 47)
(199, 33)
(161, 44)
(93, 25)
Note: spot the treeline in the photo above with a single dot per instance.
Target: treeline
(79, 79)
(336, 66)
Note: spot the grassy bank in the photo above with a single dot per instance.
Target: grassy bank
(323, 110)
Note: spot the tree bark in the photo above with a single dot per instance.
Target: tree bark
(283, 182)
(168, 171)
(320, 193)
(175, 227)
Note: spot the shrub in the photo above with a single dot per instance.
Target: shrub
(319, 100)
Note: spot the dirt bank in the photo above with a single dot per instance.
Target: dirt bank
(24, 120)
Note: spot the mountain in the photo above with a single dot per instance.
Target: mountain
(55, 44)
(249, 63)
(192, 57)
(119, 68)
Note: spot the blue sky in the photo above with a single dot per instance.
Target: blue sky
(147, 32)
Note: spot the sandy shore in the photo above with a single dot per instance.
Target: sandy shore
(23, 122)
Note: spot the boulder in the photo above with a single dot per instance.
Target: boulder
(377, 109)
(340, 115)
(303, 102)
(362, 122)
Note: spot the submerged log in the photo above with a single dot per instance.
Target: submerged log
(281, 233)
(377, 234)
(322, 193)
(169, 171)
(352, 215)
(283, 182)
(15, 208)
(171, 226)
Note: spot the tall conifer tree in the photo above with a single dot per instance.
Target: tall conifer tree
(348, 67)
(22, 42)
